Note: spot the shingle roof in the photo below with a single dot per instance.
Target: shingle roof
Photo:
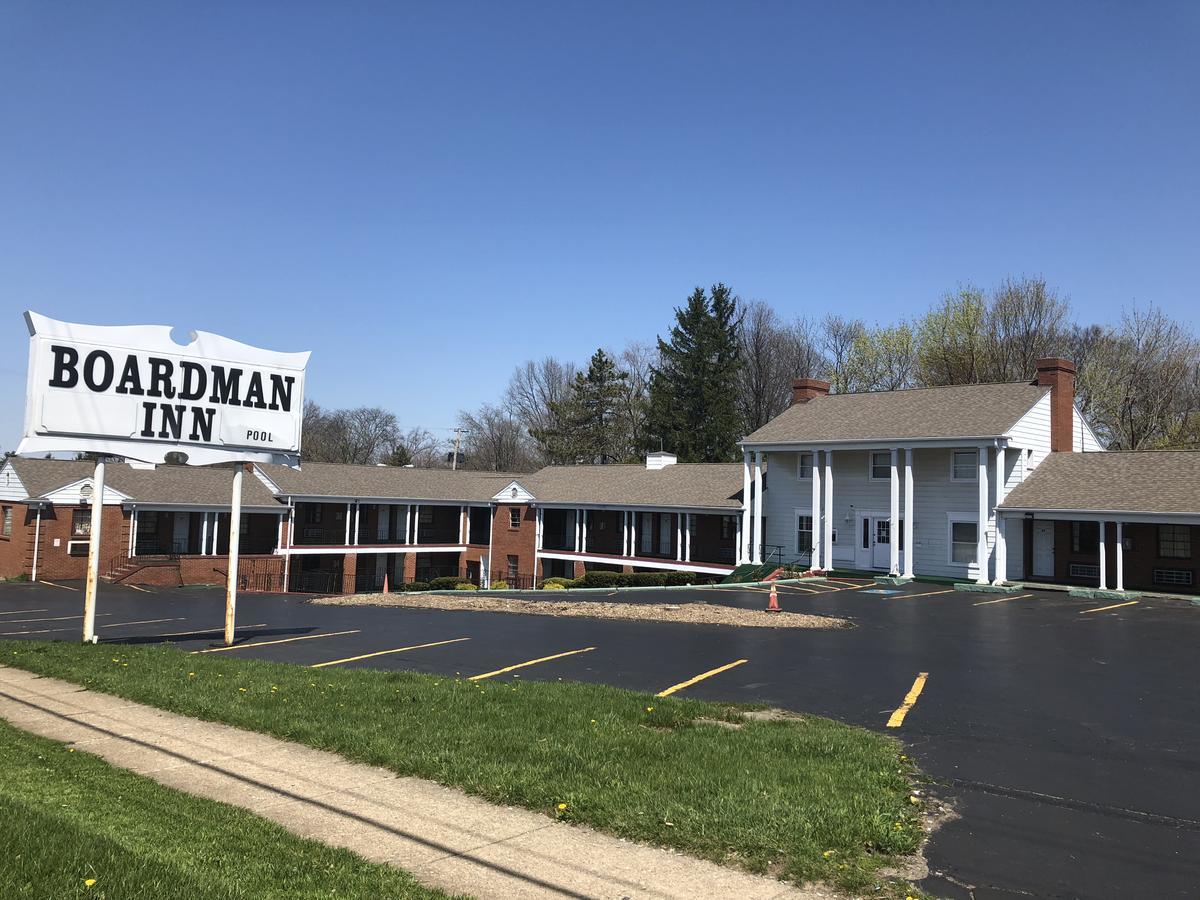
(314, 479)
(683, 485)
(959, 411)
(165, 485)
(1152, 481)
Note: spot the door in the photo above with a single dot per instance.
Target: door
(1043, 549)
(881, 543)
(179, 537)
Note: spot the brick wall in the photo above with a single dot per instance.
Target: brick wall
(54, 563)
(508, 541)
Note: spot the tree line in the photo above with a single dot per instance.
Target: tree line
(725, 367)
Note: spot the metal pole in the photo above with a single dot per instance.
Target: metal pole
(37, 541)
(93, 567)
(235, 532)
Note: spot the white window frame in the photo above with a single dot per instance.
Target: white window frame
(804, 513)
(812, 461)
(956, 518)
(974, 476)
(871, 454)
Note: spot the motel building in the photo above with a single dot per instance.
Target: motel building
(993, 484)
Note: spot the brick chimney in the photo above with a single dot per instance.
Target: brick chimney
(1059, 375)
(805, 389)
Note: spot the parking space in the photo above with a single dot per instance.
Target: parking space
(1041, 717)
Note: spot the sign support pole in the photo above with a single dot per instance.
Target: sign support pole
(93, 566)
(235, 531)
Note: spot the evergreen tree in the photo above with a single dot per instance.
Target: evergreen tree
(694, 387)
(587, 425)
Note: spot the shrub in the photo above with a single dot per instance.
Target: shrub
(498, 586)
(678, 579)
(558, 582)
(642, 579)
(553, 586)
(416, 586)
(465, 586)
(598, 579)
(444, 583)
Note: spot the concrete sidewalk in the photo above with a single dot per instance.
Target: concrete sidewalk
(445, 838)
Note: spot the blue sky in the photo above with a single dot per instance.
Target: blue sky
(426, 195)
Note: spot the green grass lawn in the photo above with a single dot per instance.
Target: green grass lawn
(68, 818)
(802, 799)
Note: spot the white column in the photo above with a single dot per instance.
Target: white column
(687, 539)
(678, 537)
(1103, 558)
(583, 531)
(279, 532)
(347, 541)
(132, 530)
(93, 566)
(815, 562)
(575, 546)
(981, 554)
(414, 518)
(894, 515)
(757, 538)
(1001, 575)
(633, 526)
(357, 517)
(909, 553)
(235, 533)
(37, 543)
(462, 525)
(743, 549)
(1120, 557)
(827, 555)
(625, 533)
(291, 532)
(739, 539)
(541, 528)
(203, 533)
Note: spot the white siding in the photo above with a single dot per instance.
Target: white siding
(10, 484)
(1032, 432)
(1083, 439)
(934, 496)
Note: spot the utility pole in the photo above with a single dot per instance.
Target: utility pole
(458, 433)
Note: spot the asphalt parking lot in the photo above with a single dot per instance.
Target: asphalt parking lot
(1066, 733)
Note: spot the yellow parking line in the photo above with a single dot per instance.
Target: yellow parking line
(305, 637)
(532, 662)
(17, 612)
(1103, 608)
(897, 718)
(709, 674)
(334, 662)
(926, 594)
(141, 622)
(1003, 599)
(65, 587)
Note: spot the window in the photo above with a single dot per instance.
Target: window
(728, 528)
(6, 529)
(1085, 538)
(514, 517)
(81, 522)
(804, 534)
(964, 465)
(1174, 541)
(804, 465)
(244, 524)
(1083, 570)
(881, 466)
(312, 513)
(513, 565)
(964, 539)
(1173, 576)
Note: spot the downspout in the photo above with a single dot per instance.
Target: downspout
(287, 556)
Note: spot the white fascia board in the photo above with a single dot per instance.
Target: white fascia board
(266, 479)
(277, 510)
(68, 494)
(506, 495)
(642, 507)
(1083, 421)
(670, 564)
(880, 444)
(386, 501)
(342, 549)
(1100, 515)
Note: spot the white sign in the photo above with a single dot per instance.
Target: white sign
(133, 391)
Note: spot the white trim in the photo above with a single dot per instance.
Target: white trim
(981, 552)
(909, 552)
(756, 550)
(799, 512)
(1102, 547)
(1099, 515)
(524, 495)
(895, 536)
(827, 484)
(1120, 556)
(815, 560)
(800, 454)
(339, 550)
(640, 562)
(1001, 552)
(743, 554)
(37, 542)
(974, 461)
(923, 443)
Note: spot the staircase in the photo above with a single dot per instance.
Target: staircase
(124, 567)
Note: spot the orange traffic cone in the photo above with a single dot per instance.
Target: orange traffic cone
(385, 584)
(773, 604)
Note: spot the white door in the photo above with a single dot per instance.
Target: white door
(1043, 549)
(881, 543)
(179, 537)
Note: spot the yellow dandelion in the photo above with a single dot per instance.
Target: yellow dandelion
(827, 854)
(562, 807)
(191, 674)
(89, 881)
(243, 690)
(649, 709)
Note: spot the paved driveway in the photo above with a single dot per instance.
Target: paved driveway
(1065, 732)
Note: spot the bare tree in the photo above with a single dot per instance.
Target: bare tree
(496, 441)
(637, 361)
(839, 336)
(535, 389)
(364, 435)
(1025, 321)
